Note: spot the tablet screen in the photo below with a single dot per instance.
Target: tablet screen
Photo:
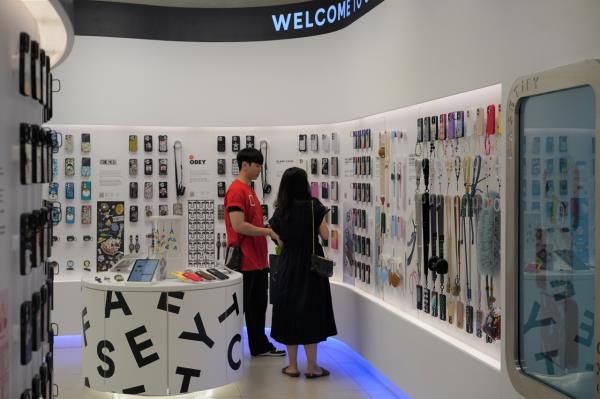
(143, 270)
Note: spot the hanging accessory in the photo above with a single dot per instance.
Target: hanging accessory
(451, 303)
(467, 211)
(493, 321)
(266, 187)
(432, 261)
(457, 165)
(425, 229)
(137, 243)
(441, 266)
(131, 243)
(456, 289)
(178, 155)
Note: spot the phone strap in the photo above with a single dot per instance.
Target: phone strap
(266, 187)
(178, 155)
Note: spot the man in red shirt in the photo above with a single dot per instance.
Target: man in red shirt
(244, 224)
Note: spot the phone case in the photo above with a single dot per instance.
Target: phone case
(26, 149)
(133, 167)
(221, 189)
(420, 130)
(70, 215)
(86, 145)
(221, 143)
(235, 169)
(163, 189)
(53, 191)
(45, 387)
(26, 333)
(133, 143)
(36, 387)
(162, 143)
(314, 189)
(334, 239)
(36, 321)
(314, 166)
(334, 166)
(324, 190)
(69, 167)
(221, 166)
(459, 124)
(42, 78)
(325, 166)
(334, 214)
(24, 65)
(69, 190)
(68, 143)
(427, 129)
(35, 68)
(235, 143)
(148, 210)
(442, 127)
(26, 244)
(133, 190)
(163, 210)
(148, 190)
(148, 166)
(163, 167)
(249, 141)
(334, 191)
(133, 213)
(451, 130)
(86, 166)
(86, 190)
(302, 143)
(491, 120)
(325, 143)
(86, 214)
(314, 142)
(148, 143)
(434, 128)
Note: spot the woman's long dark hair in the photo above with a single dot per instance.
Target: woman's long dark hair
(293, 187)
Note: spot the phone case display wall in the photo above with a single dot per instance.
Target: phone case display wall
(26, 276)
(373, 174)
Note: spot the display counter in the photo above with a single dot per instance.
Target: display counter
(167, 337)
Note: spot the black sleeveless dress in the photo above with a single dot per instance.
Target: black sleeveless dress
(302, 313)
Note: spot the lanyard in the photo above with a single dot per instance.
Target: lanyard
(457, 164)
(467, 161)
(475, 177)
(458, 235)
(440, 226)
(466, 210)
(177, 154)
(448, 236)
(425, 228)
(418, 234)
(264, 149)
(418, 170)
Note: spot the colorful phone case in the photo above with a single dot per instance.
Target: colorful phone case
(69, 167)
(86, 166)
(162, 166)
(86, 214)
(53, 191)
(163, 210)
(451, 130)
(334, 239)
(86, 190)
(459, 123)
(133, 143)
(314, 189)
(68, 143)
(70, 215)
(86, 145)
(69, 190)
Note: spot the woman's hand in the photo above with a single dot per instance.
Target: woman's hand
(275, 237)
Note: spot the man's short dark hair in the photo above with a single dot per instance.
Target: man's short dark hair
(250, 155)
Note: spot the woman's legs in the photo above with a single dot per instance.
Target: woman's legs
(311, 359)
(292, 352)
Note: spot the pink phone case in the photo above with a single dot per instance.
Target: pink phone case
(314, 189)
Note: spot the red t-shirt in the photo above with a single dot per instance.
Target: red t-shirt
(254, 249)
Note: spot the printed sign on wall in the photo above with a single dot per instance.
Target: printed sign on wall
(111, 232)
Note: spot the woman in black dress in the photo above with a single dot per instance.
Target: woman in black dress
(302, 309)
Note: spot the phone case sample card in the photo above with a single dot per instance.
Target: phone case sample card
(201, 233)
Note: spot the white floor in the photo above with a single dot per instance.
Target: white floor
(351, 378)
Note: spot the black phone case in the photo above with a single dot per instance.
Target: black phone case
(36, 321)
(325, 166)
(434, 128)
(27, 238)
(35, 56)
(24, 65)
(218, 274)
(221, 189)
(334, 214)
(133, 190)
(314, 166)
(45, 392)
(249, 141)
(163, 167)
(163, 189)
(221, 143)
(26, 150)
(235, 143)
(163, 143)
(44, 311)
(148, 143)
(133, 213)
(36, 387)
(148, 167)
(221, 166)
(26, 333)
(324, 190)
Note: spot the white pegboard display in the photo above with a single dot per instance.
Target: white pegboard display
(364, 170)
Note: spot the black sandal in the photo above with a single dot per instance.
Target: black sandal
(289, 374)
(324, 373)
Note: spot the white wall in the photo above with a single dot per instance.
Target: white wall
(401, 53)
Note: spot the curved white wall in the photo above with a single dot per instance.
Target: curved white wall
(401, 53)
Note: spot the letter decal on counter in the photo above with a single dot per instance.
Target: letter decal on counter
(137, 348)
(234, 307)
(85, 325)
(105, 359)
(162, 303)
(120, 303)
(135, 390)
(532, 321)
(588, 329)
(187, 376)
(233, 364)
(201, 335)
(548, 357)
